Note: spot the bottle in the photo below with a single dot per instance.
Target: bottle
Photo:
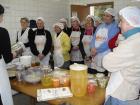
(51, 62)
(20, 68)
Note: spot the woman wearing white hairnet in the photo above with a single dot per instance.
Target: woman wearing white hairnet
(76, 35)
(87, 37)
(124, 61)
(22, 35)
(66, 28)
(99, 43)
(62, 47)
(41, 42)
(97, 21)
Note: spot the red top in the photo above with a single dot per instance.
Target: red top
(112, 41)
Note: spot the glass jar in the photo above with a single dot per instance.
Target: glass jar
(78, 79)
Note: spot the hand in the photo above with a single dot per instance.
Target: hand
(14, 55)
(41, 56)
(93, 52)
(88, 59)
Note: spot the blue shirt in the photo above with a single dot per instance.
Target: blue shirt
(113, 29)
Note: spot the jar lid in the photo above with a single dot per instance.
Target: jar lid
(78, 67)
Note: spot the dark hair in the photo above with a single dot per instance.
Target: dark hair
(25, 18)
(1, 9)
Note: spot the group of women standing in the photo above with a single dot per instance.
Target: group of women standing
(69, 45)
(91, 45)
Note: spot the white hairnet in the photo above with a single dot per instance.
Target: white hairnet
(96, 18)
(131, 15)
(75, 18)
(90, 16)
(110, 11)
(63, 20)
(60, 25)
(40, 18)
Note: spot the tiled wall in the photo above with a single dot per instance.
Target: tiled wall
(51, 10)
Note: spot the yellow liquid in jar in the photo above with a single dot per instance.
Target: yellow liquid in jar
(78, 82)
(47, 81)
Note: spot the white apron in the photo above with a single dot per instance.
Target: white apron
(101, 37)
(5, 88)
(58, 56)
(75, 40)
(40, 41)
(24, 39)
(114, 82)
(86, 43)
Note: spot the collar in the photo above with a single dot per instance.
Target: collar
(78, 29)
(131, 32)
(58, 33)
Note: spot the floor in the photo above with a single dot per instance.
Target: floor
(21, 99)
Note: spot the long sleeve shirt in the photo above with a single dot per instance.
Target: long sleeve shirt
(66, 46)
(113, 29)
(22, 32)
(48, 44)
(5, 46)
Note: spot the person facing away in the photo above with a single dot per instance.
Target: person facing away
(6, 56)
(124, 62)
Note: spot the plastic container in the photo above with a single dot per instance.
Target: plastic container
(26, 60)
(78, 79)
(91, 87)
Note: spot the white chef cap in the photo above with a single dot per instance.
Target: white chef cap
(63, 20)
(40, 18)
(110, 11)
(60, 25)
(131, 15)
(96, 18)
(75, 18)
(90, 16)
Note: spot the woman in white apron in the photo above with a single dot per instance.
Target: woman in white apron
(41, 43)
(88, 35)
(22, 35)
(124, 62)
(99, 43)
(5, 56)
(62, 47)
(77, 49)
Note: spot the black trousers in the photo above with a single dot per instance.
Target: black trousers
(0, 101)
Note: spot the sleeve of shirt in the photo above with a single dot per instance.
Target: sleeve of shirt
(66, 45)
(32, 44)
(121, 58)
(28, 44)
(48, 44)
(6, 46)
(81, 47)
